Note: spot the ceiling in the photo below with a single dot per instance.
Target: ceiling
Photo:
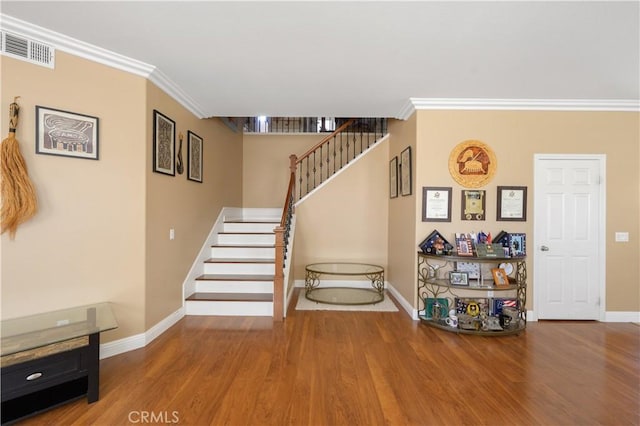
(363, 58)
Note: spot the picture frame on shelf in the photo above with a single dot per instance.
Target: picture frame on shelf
(438, 306)
(405, 172)
(436, 204)
(512, 203)
(459, 278)
(464, 245)
(164, 144)
(194, 157)
(517, 244)
(473, 204)
(472, 269)
(393, 177)
(66, 134)
(500, 278)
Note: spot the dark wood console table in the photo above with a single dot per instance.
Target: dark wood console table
(51, 358)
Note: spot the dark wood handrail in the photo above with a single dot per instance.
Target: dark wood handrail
(323, 141)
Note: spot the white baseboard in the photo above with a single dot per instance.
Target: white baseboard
(140, 340)
(408, 307)
(621, 316)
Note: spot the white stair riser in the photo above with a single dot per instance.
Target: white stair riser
(215, 308)
(234, 286)
(249, 227)
(243, 252)
(239, 268)
(246, 239)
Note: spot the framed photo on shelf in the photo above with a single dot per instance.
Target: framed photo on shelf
(164, 144)
(473, 204)
(459, 278)
(393, 177)
(65, 133)
(517, 244)
(194, 157)
(405, 171)
(464, 246)
(436, 204)
(500, 278)
(512, 203)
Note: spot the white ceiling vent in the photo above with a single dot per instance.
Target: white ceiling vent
(27, 49)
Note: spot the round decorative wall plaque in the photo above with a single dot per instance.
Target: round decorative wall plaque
(472, 164)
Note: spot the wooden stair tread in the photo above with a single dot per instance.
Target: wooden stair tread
(252, 221)
(232, 297)
(235, 277)
(260, 260)
(244, 245)
(245, 233)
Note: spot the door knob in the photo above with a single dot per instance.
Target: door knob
(544, 248)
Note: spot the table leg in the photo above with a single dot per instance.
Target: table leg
(311, 282)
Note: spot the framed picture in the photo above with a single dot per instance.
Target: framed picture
(405, 171)
(458, 278)
(512, 203)
(436, 204)
(194, 157)
(164, 144)
(473, 204)
(500, 278)
(393, 177)
(517, 244)
(65, 133)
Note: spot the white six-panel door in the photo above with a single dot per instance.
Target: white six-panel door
(569, 237)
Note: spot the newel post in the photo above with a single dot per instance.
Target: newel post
(278, 279)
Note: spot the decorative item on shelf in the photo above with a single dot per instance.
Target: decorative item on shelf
(436, 309)
(471, 268)
(472, 306)
(508, 267)
(502, 238)
(489, 250)
(464, 245)
(459, 278)
(500, 278)
(498, 304)
(491, 324)
(472, 164)
(517, 244)
(436, 244)
(473, 205)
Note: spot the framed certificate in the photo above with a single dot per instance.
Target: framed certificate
(436, 204)
(512, 203)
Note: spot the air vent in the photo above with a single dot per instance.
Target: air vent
(28, 50)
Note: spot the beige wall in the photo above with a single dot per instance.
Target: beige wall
(189, 207)
(265, 173)
(101, 233)
(86, 243)
(401, 272)
(515, 136)
(346, 219)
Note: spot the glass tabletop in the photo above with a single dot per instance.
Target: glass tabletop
(337, 268)
(345, 296)
(21, 334)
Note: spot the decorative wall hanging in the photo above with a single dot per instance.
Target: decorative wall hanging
(19, 202)
(405, 171)
(65, 133)
(164, 144)
(512, 203)
(473, 204)
(194, 157)
(472, 164)
(179, 162)
(393, 177)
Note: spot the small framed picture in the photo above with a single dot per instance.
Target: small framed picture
(393, 177)
(164, 144)
(405, 171)
(500, 278)
(459, 278)
(65, 133)
(194, 157)
(473, 204)
(512, 203)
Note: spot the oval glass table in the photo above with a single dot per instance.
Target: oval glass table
(344, 295)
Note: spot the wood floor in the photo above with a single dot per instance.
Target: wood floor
(367, 368)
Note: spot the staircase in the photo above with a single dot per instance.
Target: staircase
(237, 278)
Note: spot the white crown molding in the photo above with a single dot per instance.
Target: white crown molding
(623, 105)
(103, 56)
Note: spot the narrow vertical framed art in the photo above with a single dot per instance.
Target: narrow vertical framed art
(405, 171)
(194, 157)
(164, 144)
(393, 177)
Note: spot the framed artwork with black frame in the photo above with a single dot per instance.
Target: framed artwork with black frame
(405, 171)
(436, 204)
(393, 177)
(66, 134)
(164, 144)
(512, 203)
(194, 157)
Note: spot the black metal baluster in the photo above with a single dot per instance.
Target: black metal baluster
(321, 163)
